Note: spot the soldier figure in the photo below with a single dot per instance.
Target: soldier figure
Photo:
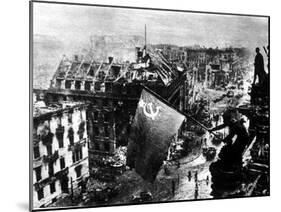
(231, 153)
(259, 67)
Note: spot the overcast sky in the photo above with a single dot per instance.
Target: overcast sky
(73, 23)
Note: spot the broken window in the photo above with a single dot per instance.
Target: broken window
(62, 163)
(51, 169)
(97, 86)
(88, 86)
(96, 131)
(59, 135)
(69, 118)
(107, 117)
(101, 116)
(124, 89)
(78, 85)
(64, 184)
(105, 102)
(101, 75)
(58, 83)
(78, 170)
(81, 129)
(108, 87)
(36, 152)
(53, 187)
(94, 102)
(67, 84)
(49, 149)
(100, 102)
(107, 146)
(91, 72)
(80, 153)
(96, 115)
(110, 103)
(73, 157)
(97, 147)
(71, 136)
(115, 71)
(106, 130)
(77, 154)
(38, 173)
(40, 194)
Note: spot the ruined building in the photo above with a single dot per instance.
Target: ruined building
(60, 152)
(112, 91)
(214, 67)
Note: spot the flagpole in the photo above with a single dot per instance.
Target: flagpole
(186, 115)
(203, 126)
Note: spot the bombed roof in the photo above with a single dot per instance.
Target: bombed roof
(149, 66)
(42, 110)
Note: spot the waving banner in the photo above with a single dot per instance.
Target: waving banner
(152, 131)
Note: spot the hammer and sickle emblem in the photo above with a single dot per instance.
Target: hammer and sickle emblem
(150, 114)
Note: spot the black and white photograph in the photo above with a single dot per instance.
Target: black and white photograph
(136, 105)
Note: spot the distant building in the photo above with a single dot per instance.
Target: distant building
(60, 152)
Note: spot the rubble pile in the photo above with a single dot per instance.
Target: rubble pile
(100, 192)
(118, 160)
(104, 185)
(110, 166)
(192, 144)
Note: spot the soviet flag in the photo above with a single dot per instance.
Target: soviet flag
(154, 126)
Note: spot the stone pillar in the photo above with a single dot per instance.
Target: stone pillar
(52, 83)
(72, 87)
(93, 86)
(62, 84)
(82, 85)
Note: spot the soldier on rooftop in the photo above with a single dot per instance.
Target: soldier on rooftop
(259, 67)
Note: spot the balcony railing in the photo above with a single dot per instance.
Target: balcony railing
(62, 173)
(41, 184)
(59, 175)
(51, 158)
(77, 145)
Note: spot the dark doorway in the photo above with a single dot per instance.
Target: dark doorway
(64, 185)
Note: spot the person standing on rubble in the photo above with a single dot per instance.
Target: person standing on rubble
(259, 67)
(231, 154)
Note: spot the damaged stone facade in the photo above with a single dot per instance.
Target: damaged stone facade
(60, 151)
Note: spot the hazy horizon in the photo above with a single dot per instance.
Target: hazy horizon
(76, 23)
